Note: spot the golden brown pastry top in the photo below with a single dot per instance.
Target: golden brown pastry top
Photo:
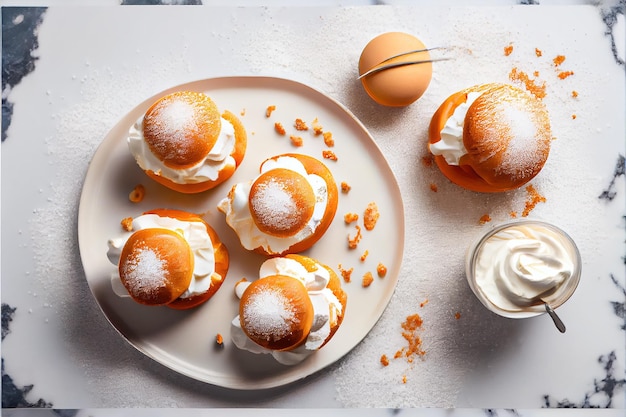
(281, 202)
(276, 312)
(181, 128)
(156, 266)
(507, 136)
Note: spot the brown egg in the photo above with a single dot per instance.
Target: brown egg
(401, 85)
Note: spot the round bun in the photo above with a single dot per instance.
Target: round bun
(281, 202)
(181, 129)
(506, 134)
(156, 266)
(312, 166)
(144, 285)
(276, 312)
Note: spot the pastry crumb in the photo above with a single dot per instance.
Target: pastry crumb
(300, 124)
(345, 187)
(485, 218)
(410, 327)
(532, 200)
(427, 160)
(538, 52)
(346, 274)
(384, 360)
(508, 50)
(564, 74)
(558, 60)
(296, 140)
(513, 214)
(242, 112)
(328, 154)
(367, 279)
(350, 217)
(381, 270)
(353, 242)
(433, 187)
(574, 93)
(279, 128)
(371, 216)
(269, 110)
(423, 303)
(532, 87)
(138, 193)
(328, 139)
(364, 255)
(219, 339)
(573, 116)
(127, 224)
(457, 315)
(317, 127)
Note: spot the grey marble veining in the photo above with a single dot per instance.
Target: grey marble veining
(19, 43)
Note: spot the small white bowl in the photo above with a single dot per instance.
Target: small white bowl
(492, 292)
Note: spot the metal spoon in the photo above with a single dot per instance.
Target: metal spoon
(380, 67)
(399, 64)
(557, 321)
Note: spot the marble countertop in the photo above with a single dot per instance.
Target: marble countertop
(70, 73)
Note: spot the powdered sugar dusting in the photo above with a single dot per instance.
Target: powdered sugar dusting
(177, 118)
(268, 315)
(524, 153)
(275, 206)
(172, 122)
(515, 138)
(145, 272)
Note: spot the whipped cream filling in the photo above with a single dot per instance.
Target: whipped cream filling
(207, 169)
(451, 145)
(326, 308)
(195, 234)
(518, 266)
(240, 219)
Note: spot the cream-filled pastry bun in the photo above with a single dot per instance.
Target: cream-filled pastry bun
(286, 208)
(184, 143)
(169, 257)
(491, 137)
(291, 311)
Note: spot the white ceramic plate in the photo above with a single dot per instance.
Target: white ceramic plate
(185, 340)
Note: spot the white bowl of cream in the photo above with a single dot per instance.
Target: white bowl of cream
(517, 267)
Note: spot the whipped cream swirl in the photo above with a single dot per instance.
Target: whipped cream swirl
(451, 145)
(521, 265)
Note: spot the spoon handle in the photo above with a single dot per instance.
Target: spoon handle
(555, 318)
